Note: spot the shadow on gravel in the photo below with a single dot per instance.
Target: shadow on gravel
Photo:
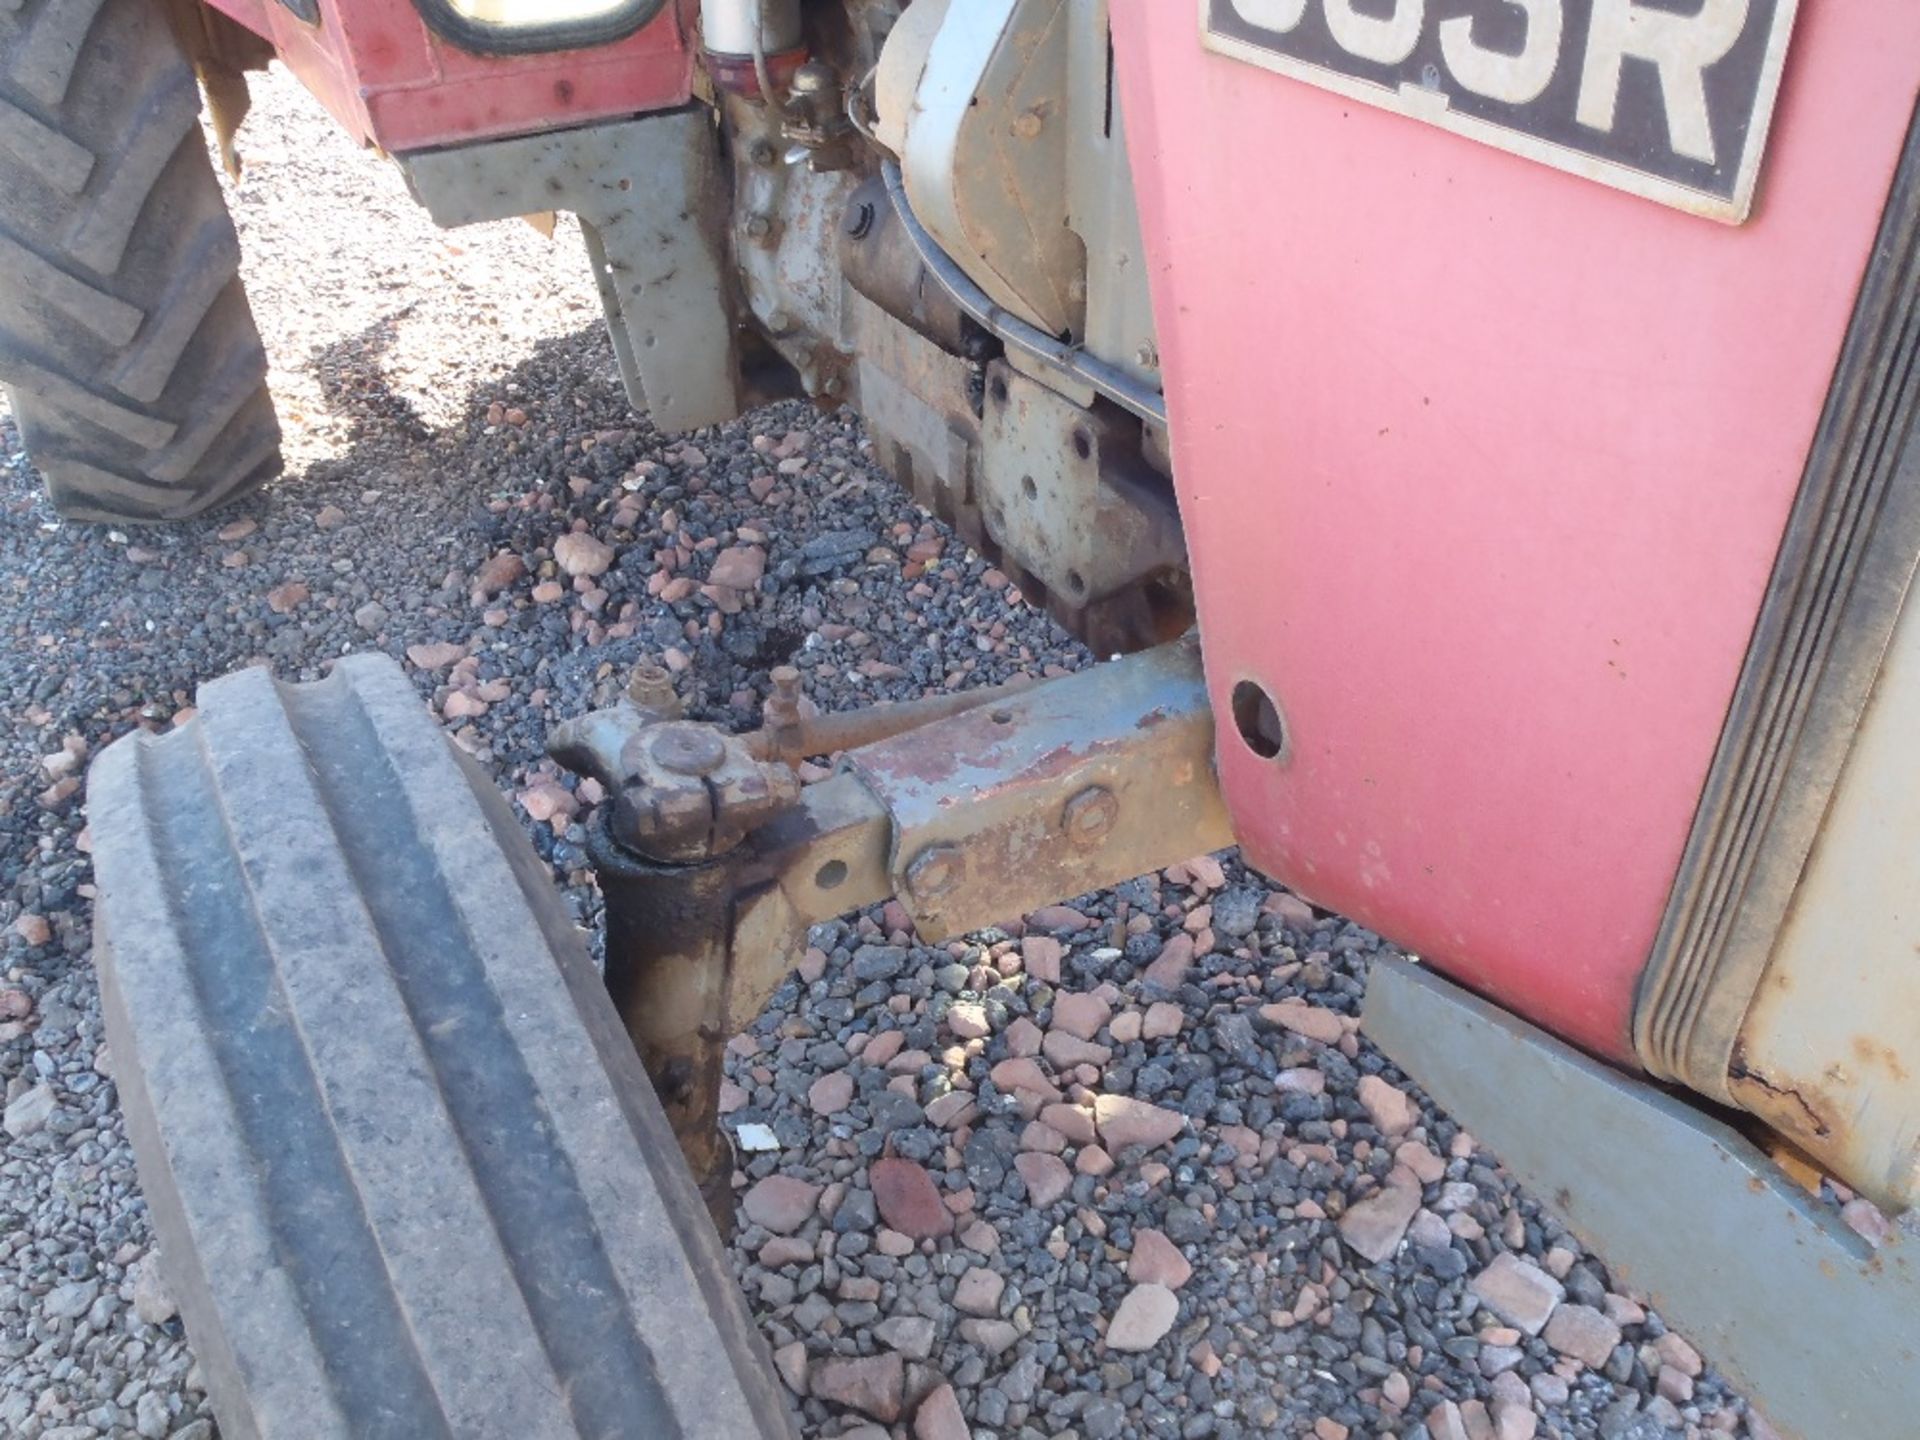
(396, 542)
(357, 387)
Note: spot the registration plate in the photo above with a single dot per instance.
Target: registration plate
(1668, 99)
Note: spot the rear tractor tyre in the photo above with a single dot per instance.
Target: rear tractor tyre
(406, 1172)
(131, 358)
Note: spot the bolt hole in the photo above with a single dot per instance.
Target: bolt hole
(1002, 717)
(1076, 582)
(998, 389)
(831, 875)
(1028, 488)
(1083, 444)
(1257, 719)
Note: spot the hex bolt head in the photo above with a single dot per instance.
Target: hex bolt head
(688, 750)
(933, 871)
(1089, 815)
(759, 226)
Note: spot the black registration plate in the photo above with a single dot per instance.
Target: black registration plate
(1669, 99)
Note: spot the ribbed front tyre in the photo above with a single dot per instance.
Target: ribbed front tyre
(407, 1175)
(131, 358)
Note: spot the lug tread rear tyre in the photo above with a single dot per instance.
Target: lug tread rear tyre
(406, 1171)
(135, 368)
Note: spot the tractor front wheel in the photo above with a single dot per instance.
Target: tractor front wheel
(135, 370)
(407, 1175)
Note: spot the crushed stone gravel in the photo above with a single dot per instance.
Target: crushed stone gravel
(1137, 1173)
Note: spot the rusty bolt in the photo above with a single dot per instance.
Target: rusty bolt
(688, 750)
(782, 709)
(1089, 815)
(761, 152)
(933, 871)
(832, 385)
(759, 226)
(651, 688)
(1029, 125)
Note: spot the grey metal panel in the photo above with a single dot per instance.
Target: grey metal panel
(1829, 1046)
(1101, 205)
(617, 330)
(1007, 123)
(1792, 1306)
(1063, 491)
(1844, 566)
(985, 151)
(652, 192)
(786, 246)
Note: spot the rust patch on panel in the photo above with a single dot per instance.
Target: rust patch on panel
(1872, 1051)
(1801, 1111)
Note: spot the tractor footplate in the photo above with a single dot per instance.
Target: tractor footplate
(1787, 1300)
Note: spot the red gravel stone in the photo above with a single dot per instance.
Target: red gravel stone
(909, 1201)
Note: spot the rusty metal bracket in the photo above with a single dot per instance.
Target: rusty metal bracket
(696, 950)
(1032, 794)
(1066, 489)
(685, 792)
(1073, 785)
(788, 733)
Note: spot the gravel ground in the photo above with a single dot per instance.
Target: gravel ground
(1117, 1169)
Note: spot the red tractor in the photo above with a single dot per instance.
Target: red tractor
(1484, 432)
